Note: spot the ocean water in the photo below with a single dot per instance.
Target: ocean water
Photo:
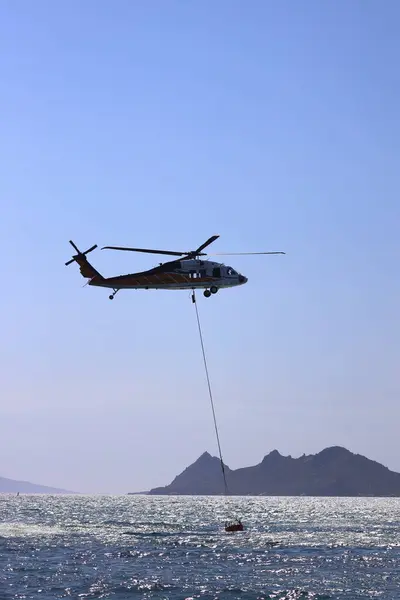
(127, 547)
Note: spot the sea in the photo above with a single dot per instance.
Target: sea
(127, 547)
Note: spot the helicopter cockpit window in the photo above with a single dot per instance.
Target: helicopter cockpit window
(231, 271)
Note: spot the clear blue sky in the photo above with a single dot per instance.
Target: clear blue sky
(157, 124)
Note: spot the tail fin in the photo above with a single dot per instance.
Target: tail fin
(86, 268)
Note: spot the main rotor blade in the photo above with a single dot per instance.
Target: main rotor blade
(242, 253)
(207, 243)
(144, 250)
(197, 252)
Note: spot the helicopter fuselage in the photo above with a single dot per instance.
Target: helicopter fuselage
(176, 275)
(186, 273)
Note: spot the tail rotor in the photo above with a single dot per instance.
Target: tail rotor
(79, 254)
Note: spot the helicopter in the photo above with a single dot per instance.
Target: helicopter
(189, 272)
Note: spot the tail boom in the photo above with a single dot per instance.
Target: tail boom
(86, 269)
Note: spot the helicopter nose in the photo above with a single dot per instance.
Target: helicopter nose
(242, 279)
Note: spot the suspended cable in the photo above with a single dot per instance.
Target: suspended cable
(210, 392)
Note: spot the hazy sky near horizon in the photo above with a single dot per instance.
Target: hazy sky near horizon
(157, 124)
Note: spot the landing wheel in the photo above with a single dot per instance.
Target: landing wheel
(207, 293)
(213, 289)
(111, 297)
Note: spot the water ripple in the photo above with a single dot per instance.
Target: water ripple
(175, 548)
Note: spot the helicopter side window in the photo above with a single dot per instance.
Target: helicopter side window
(217, 272)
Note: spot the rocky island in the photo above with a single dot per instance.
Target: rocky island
(334, 471)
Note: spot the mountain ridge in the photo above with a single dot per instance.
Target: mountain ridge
(13, 486)
(334, 471)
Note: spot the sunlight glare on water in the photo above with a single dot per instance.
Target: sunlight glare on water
(176, 548)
